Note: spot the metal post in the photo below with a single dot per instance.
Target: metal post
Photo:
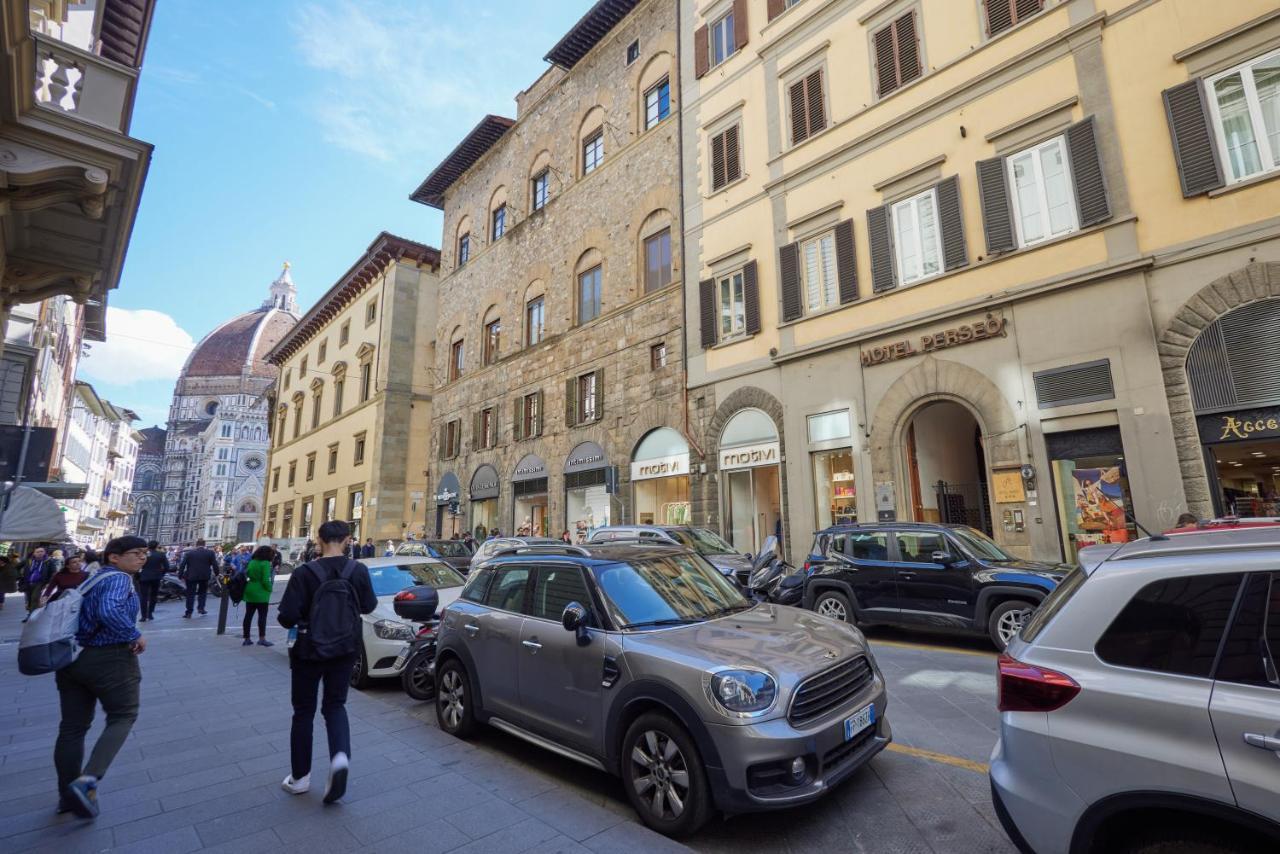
(223, 606)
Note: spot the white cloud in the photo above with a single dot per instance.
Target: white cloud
(141, 345)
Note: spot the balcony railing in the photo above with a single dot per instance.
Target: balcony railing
(81, 84)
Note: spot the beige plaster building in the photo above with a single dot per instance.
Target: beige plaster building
(560, 381)
(352, 404)
(1011, 263)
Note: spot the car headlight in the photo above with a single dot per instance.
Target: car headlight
(392, 630)
(742, 692)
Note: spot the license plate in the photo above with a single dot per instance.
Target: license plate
(860, 721)
(404, 653)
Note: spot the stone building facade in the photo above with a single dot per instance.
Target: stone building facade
(148, 481)
(559, 403)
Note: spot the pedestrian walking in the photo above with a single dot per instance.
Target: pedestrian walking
(153, 572)
(10, 569)
(257, 593)
(323, 602)
(197, 567)
(106, 672)
(70, 575)
(390, 550)
(309, 552)
(369, 549)
(566, 537)
(35, 575)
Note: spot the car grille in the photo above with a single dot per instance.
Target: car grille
(837, 756)
(819, 695)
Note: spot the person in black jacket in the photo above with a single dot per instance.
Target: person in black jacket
(149, 580)
(197, 567)
(309, 670)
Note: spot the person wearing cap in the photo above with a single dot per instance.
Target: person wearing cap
(106, 672)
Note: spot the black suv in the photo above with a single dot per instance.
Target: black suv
(919, 574)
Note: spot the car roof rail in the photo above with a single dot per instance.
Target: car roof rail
(543, 548)
(627, 541)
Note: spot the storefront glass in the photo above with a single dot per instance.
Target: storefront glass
(836, 499)
(1091, 486)
(484, 502)
(749, 458)
(660, 478)
(587, 500)
(529, 498)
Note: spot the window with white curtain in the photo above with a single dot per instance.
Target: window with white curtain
(818, 261)
(917, 240)
(733, 312)
(1246, 109)
(1043, 203)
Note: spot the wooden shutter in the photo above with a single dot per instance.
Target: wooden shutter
(799, 121)
(517, 419)
(571, 402)
(599, 393)
(751, 297)
(718, 174)
(491, 440)
(701, 51)
(897, 50)
(740, 32)
(846, 262)
(707, 311)
(774, 8)
(1092, 201)
(816, 109)
(808, 113)
(475, 429)
(789, 281)
(955, 252)
(542, 414)
(997, 213)
(440, 446)
(881, 240)
(886, 64)
(732, 158)
(1003, 14)
(1199, 167)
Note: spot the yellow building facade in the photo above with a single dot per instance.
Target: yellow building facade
(352, 404)
(1009, 263)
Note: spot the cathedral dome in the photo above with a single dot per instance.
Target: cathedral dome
(239, 346)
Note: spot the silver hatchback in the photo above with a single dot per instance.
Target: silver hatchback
(1140, 705)
(648, 663)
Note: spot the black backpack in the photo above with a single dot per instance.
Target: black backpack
(236, 586)
(333, 626)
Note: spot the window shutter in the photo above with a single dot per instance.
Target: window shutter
(775, 8)
(815, 108)
(732, 159)
(997, 214)
(517, 419)
(799, 125)
(1086, 172)
(999, 16)
(701, 51)
(908, 44)
(955, 253)
(751, 297)
(571, 402)
(718, 178)
(1199, 168)
(537, 423)
(475, 430)
(846, 262)
(886, 68)
(881, 241)
(599, 393)
(707, 311)
(444, 428)
(491, 440)
(789, 281)
(1024, 9)
(740, 32)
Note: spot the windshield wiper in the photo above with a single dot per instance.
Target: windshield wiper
(669, 621)
(732, 609)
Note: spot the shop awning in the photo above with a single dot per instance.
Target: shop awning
(31, 516)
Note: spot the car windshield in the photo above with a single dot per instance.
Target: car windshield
(390, 580)
(702, 541)
(982, 546)
(660, 591)
(451, 548)
(412, 549)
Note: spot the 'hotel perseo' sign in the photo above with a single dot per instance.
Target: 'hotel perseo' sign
(661, 467)
(1240, 425)
(750, 456)
(992, 327)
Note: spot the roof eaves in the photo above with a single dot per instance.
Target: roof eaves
(473, 146)
(591, 28)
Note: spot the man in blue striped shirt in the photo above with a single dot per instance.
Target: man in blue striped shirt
(106, 672)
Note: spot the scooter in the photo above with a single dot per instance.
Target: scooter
(171, 587)
(418, 605)
(772, 579)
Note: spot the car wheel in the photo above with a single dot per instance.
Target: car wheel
(1183, 840)
(454, 710)
(416, 679)
(1006, 621)
(834, 605)
(663, 775)
(360, 671)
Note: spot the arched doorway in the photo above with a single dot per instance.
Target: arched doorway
(660, 478)
(750, 454)
(946, 466)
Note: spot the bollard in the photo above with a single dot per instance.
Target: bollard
(223, 605)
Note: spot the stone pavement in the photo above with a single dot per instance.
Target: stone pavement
(202, 769)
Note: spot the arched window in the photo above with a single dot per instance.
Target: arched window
(591, 141)
(283, 417)
(365, 355)
(657, 251)
(457, 354)
(499, 214)
(248, 507)
(589, 286)
(317, 396)
(462, 242)
(535, 313)
(492, 335)
(748, 427)
(654, 92)
(297, 414)
(540, 181)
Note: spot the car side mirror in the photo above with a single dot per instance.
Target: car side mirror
(750, 556)
(942, 557)
(574, 619)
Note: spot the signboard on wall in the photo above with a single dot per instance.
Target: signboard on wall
(991, 327)
(672, 466)
(1008, 487)
(1240, 426)
(751, 456)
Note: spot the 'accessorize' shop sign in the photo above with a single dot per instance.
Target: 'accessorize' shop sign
(992, 327)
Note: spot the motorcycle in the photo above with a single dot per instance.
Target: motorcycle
(418, 605)
(772, 579)
(171, 587)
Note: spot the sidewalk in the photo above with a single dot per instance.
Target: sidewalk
(202, 769)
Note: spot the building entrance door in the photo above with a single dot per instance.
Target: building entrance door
(947, 468)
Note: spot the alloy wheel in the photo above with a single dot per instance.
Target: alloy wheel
(834, 609)
(1010, 624)
(660, 774)
(451, 698)
(420, 675)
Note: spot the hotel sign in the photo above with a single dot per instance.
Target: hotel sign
(751, 456)
(674, 466)
(992, 327)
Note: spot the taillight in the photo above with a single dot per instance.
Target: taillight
(807, 566)
(426, 631)
(405, 596)
(1028, 688)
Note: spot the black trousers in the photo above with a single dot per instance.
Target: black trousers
(193, 587)
(147, 593)
(335, 674)
(261, 609)
(102, 674)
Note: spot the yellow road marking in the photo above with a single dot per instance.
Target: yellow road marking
(943, 758)
(930, 647)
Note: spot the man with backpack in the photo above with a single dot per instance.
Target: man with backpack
(197, 567)
(323, 601)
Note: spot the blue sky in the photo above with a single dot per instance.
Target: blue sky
(293, 130)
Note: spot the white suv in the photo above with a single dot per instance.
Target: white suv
(1140, 705)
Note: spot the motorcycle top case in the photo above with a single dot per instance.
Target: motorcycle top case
(417, 604)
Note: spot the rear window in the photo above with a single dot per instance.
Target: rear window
(1052, 604)
(451, 548)
(1172, 626)
(477, 584)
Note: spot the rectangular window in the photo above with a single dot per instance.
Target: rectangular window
(344, 334)
(530, 415)
(297, 419)
(293, 472)
(333, 459)
(355, 505)
(733, 312)
(593, 151)
(657, 261)
(808, 111)
(726, 160)
(339, 386)
(917, 240)
(330, 507)
(1246, 116)
(222, 469)
(224, 453)
(455, 360)
(633, 51)
(302, 368)
(828, 426)
(540, 190)
(358, 457)
(371, 312)
(226, 431)
(533, 316)
(287, 525)
(275, 479)
(488, 428)
(897, 54)
(322, 353)
(1043, 203)
(589, 295)
(366, 381)
(311, 466)
(315, 409)
(818, 268)
(836, 497)
(587, 398)
(464, 248)
(305, 529)
(657, 103)
(658, 356)
(499, 221)
(492, 341)
(452, 438)
(723, 44)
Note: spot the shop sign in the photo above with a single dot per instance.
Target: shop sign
(484, 483)
(530, 467)
(445, 496)
(1008, 487)
(1238, 426)
(672, 466)
(992, 327)
(585, 457)
(449, 490)
(750, 456)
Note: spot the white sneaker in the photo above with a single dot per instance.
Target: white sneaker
(296, 787)
(337, 787)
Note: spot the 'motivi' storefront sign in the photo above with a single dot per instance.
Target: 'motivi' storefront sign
(1239, 426)
(750, 456)
(992, 327)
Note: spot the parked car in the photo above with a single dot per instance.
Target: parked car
(453, 552)
(648, 663)
(385, 633)
(918, 574)
(705, 542)
(491, 547)
(1140, 706)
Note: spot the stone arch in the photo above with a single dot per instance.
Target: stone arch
(1257, 281)
(661, 64)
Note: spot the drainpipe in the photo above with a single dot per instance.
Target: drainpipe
(684, 249)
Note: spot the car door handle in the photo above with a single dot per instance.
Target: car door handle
(472, 629)
(1265, 742)
(906, 575)
(533, 645)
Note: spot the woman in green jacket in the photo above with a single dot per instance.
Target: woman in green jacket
(257, 593)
